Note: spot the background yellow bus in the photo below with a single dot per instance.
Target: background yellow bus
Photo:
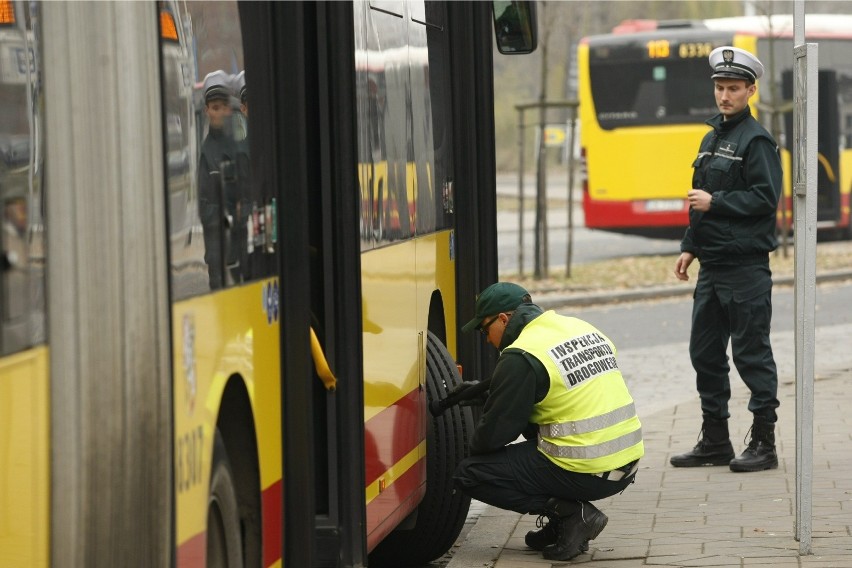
(228, 362)
(645, 92)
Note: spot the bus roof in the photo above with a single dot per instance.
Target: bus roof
(816, 25)
(779, 25)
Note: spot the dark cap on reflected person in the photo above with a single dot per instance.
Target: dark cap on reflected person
(498, 298)
(730, 62)
(217, 86)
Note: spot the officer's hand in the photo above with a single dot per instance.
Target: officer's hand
(460, 392)
(699, 200)
(682, 264)
(460, 388)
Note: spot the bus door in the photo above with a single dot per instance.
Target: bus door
(299, 59)
(828, 158)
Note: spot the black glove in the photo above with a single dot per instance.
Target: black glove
(461, 393)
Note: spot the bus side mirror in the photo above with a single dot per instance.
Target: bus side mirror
(515, 26)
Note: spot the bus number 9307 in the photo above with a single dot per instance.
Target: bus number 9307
(188, 459)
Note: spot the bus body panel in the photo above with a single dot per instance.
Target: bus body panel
(221, 337)
(845, 187)
(665, 177)
(436, 265)
(398, 284)
(24, 459)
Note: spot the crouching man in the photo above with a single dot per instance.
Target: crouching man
(557, 384)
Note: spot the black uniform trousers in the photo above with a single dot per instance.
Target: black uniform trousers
(520, 478)
(734, 303)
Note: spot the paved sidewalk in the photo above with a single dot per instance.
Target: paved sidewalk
(712, 516)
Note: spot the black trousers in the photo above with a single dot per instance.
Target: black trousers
(734, 304)
(520, 478)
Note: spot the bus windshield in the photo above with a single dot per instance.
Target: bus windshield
(651, 79)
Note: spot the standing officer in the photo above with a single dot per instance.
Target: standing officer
(556, 383)
(216, 175)
(733, 203)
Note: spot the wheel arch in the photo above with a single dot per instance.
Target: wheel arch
(437, 321)
(236, 424)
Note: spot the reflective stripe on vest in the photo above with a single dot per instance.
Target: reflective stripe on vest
(591, 452)
(561, 429)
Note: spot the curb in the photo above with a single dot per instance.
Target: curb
(557, 299)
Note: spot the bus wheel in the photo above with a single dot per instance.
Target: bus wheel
(224, 541)
(441, 515)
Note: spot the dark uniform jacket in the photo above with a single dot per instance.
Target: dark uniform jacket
(218, 178)
(519, 381)
(739, 165)
(217, 148)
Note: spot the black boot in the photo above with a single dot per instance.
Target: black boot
(713, 447)
(760, 453)
(547, 533)
(583, 523)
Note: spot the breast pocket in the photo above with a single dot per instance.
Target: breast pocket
(722, 173)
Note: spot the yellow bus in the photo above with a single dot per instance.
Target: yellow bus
(645, 92)
(223, 324)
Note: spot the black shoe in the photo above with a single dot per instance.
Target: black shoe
(713, 447)
(547, 534)
(760, 453)
(575, 532)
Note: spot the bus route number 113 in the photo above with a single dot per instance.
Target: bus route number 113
(658, 49)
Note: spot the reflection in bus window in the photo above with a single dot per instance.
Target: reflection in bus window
(22, 280)
(397, 156)
(221, 229)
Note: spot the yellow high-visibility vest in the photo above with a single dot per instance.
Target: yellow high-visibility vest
(587, 422)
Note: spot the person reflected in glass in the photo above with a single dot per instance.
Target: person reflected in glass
(216, 173)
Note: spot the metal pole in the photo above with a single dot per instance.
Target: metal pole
(541, 261)
(805, 191)
(543, 266)
(520, 191)
(775, 117)
(569, 253)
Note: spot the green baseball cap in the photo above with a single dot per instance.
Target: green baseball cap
(498, 298)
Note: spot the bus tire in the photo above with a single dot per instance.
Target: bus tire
(224, 537)
(441, 515)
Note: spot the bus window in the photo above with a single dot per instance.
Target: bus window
(390, 204)
(220, 230)
(646, 80)
(21, 283)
